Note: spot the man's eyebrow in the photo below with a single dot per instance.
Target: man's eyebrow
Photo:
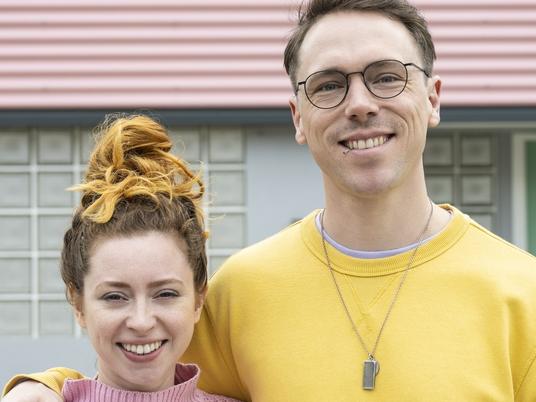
(331, 68)
(327, 70)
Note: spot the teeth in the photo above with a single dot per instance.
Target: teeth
(368, 143)
(142, 349)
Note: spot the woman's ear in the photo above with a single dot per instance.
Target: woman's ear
(199, 302)
(75, 298)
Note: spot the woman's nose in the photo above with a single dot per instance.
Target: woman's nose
(141, 317)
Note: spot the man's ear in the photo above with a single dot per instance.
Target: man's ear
(199, 302)
(434, 92)
(296, 119)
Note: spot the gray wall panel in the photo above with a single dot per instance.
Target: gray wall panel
(26, 355)
(283, 182)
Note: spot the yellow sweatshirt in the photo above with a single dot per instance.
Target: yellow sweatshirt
(462, 329)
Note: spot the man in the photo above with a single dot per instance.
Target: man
(382, 295)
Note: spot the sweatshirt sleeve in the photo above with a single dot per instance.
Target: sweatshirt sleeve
(527, 390)
(53, 378)
(207, 349)
(211, 347)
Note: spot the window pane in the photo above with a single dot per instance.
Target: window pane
(14, 147)
(51, 231)
(15, 190)
(53, 189)
(49, 276)
(14, 275)
(15, 318)
(227, 231)
(55, 318)
(187, 144)
(14, 232)
(226, 145)
(477, 190)
(87, 143)
(438, 151)
(227, 188)
(440, 189)
(54, 146)
(476, 151)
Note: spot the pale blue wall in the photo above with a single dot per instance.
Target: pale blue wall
(283, 182)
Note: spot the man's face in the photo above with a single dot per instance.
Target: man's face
(395, 128)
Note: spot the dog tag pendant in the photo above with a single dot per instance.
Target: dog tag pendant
(370, 370)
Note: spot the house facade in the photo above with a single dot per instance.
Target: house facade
(211, 71)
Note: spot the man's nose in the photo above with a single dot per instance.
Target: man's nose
(360, 104)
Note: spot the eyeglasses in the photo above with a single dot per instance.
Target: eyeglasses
(384, 79)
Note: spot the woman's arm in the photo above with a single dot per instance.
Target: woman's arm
(39, 387)
(31, 391)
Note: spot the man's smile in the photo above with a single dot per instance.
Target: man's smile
(368, 143)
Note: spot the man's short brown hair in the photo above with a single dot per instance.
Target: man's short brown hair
(400, 10)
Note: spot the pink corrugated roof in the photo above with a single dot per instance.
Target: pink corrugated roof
(228, 53)
(486, 50)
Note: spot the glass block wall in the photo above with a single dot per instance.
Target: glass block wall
(461, 169)
(37, 165)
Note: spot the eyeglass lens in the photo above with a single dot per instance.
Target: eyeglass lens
(384, 79)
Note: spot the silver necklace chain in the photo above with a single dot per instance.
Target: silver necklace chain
(372, 353)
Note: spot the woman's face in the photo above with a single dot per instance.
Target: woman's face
(139, 307)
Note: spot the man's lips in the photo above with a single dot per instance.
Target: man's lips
(366, 143)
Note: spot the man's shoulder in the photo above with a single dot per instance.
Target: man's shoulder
(267, 255)
(495, 260)
(494, 245)
(478, 240)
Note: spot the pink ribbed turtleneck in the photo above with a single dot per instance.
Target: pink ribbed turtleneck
(184, 390)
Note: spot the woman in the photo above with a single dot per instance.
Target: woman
(134, 266)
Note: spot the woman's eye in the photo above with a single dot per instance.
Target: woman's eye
(114, 297)
(167, 294)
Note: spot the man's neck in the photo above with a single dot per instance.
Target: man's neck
(383, 222)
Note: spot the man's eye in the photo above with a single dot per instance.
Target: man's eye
(328, 87)
(387, 79)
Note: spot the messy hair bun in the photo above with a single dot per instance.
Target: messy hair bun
(133, 185)
(133, 159)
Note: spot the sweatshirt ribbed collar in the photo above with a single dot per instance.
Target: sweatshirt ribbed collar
(345, 264)
(90, 390)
